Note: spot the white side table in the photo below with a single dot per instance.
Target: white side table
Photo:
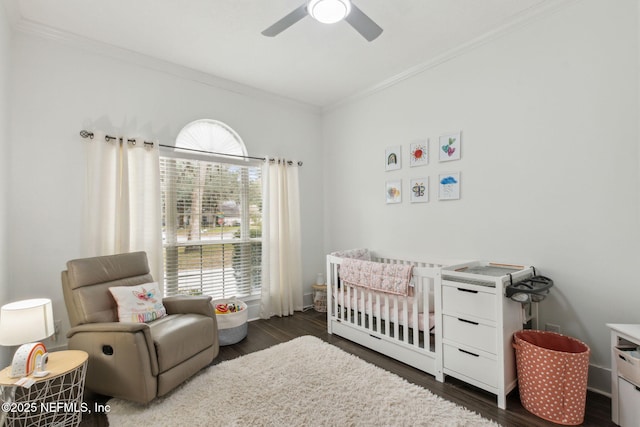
(56, 399)
(621, 401)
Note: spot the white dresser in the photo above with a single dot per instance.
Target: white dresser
(625, 394)
(478, 323)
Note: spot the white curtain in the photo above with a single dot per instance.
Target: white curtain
(122, 209)
(282, 263)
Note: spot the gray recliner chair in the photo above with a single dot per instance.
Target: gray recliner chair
(134, 361)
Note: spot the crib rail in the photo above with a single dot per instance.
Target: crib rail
(397, 320)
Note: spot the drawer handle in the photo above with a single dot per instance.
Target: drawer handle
(467, 290)
(468, 352)
(468, 321)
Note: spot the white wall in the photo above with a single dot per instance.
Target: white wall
(5, 56)
(549, 170)
(549, 164)
(62, 87)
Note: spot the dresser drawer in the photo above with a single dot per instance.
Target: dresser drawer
(628, 403)
(471, 365)
(460, 300)
(470, 333)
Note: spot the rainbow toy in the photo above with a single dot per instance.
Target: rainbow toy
(24, 361)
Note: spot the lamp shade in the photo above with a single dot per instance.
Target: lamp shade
(26, 321)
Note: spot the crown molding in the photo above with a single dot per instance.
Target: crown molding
(125, 55)
(28, 27)
(519, 21)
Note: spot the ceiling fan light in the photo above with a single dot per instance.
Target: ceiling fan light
(329, 11)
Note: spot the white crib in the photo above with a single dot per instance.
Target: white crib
(400, 327)
(456, 322)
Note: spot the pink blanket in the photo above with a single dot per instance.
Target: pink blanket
(389, 278)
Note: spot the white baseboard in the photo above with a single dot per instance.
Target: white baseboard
(599, 380)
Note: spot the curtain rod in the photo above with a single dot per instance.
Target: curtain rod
(87, 134)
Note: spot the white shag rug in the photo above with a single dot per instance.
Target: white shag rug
(303, 382)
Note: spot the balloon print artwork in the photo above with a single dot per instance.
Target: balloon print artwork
(394, 191)
(449, 147)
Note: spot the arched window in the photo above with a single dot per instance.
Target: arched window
(212, 213)
(211, 136)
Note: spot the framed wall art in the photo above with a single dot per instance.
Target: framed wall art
(449, 186)
(419, 190)
(393, 158)
(393, 191)
(449, 147)
(419, 153)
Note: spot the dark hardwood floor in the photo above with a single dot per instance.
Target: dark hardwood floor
(266, 333)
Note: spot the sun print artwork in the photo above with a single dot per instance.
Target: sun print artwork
(419, 153)
(449, 147)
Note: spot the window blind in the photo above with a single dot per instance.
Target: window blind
(212, 227)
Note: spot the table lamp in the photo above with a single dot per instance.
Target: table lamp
(24, 323)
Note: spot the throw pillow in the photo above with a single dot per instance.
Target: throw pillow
(140, 304)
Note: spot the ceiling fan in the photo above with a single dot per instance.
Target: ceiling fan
(329, 12)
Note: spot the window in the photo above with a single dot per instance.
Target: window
(211, 214)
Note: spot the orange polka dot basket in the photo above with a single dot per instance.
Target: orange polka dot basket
(552, 375)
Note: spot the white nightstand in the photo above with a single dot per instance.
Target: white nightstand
(625, 395)
(53, 400)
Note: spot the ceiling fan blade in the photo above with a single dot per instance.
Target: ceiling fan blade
(363, 24)
(286, 22)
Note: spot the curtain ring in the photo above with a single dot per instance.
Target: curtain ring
(86, 134)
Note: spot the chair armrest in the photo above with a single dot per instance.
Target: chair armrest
(184, 304)
(129, 337)
(108, 327)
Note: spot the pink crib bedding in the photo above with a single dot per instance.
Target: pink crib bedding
(399, 318)
(383, 277)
